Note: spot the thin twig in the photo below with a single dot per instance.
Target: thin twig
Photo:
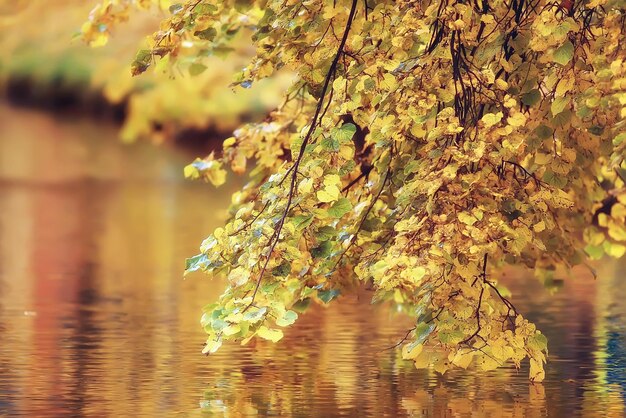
(294, 169)
(480, 301)
(370, 207)
(399, 342)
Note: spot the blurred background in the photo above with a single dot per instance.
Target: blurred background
(96, 221)
(45, 64)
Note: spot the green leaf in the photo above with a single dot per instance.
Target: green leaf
(412, 166)
(196, 69)
(330, 144)
(531, 98)
(347, 168)
(142, 61)
(340, 208)
(196, 263)
(295, 146)
(327, 295)
(255, 315)
(619, 139)
(282, 270)
(562, 118)
(422, 331)
(543, 131)
(302, 305)
(323, 250)
(325, 233)
(554, 180)
(559, 104)
(143, 55)
(302, 221)
(204, 9)
(288, 318)
(538, 342)
(563, 54)
(207, 34)
(345, 133)
(219, 324)
(583, 111)
(269, 288)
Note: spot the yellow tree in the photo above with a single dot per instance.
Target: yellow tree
(424, 144)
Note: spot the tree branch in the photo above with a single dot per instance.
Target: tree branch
(294, 169)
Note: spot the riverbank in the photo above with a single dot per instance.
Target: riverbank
(44, 65)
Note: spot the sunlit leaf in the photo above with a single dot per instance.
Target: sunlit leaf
(564, 53)
(340, 208)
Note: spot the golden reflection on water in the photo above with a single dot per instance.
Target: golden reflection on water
(96, 320)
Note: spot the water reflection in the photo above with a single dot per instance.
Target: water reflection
(95, 319)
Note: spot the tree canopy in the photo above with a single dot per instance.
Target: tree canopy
(423, 145)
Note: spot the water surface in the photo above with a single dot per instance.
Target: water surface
(95, 319)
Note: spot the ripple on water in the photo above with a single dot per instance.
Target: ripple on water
(95, 319)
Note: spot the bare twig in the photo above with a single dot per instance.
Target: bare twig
(507, 303)
(399, 342)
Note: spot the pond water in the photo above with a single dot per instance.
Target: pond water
(96, 320)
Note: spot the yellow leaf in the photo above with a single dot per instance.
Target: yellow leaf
(332, 180)
(450, 171)
(618, 211)
(266, 333)
(466, 218)
(537, 374)
(389, 82)
(328, 194)
(414, 274)
(569, 154)
(616, 231)
(346, 152)
(614, 249)
(229, 142)
(539, 226)
(518, 119)
(440, 363)
(486, 363)
(463, 358)
(491, 119)
(560, 199)
(238, 276)
(232, 329)
(501, 84)
(212, 345)
(543, 159)
(379, 269)
(305, 185)
(423, 359)
(411, 351)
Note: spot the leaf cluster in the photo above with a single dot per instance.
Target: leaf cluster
(423, 145)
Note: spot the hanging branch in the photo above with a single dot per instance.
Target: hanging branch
(406, 337)
(507, 303)
(293, 171)
(483, 275)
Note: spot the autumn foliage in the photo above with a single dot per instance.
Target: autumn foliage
(423, 145)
